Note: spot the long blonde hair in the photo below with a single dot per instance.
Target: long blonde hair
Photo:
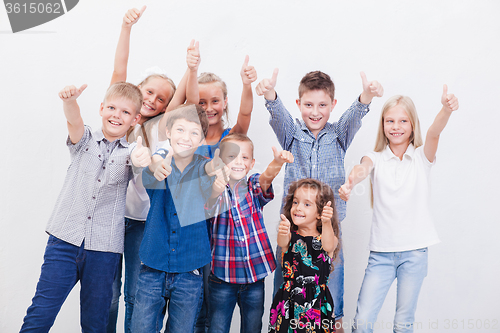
(407, 104)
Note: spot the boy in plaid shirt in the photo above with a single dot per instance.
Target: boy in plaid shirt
(241, 251)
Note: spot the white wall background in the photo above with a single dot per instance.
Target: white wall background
(412, 47)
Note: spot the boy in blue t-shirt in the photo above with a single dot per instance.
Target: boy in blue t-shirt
(175, 245)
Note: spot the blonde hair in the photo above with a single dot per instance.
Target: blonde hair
(164, 77)
(407, 104)
(125, 90)
(206, 78)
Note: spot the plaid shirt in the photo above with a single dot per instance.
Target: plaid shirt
(241, 250)
(320, 158)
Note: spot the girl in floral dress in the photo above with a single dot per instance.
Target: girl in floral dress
(307, 235)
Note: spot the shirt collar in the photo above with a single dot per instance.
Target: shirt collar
(387, 154)
(99, 136)
(326, 129)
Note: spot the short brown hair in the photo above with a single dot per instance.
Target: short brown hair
(324, 194)
(189, 112)
(238, 137)
(317, 81)
(125, 90)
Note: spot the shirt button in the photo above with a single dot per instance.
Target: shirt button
(314, 166)
(99, 180)
(314, 149)
(112, 161)
(302, 139)
(89, 217)
(93, 198)
(104, 167)
(173, 250)
(99, 156)
(173, 232)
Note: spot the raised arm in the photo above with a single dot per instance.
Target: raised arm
(122, 49)
(358, 173)
(284, 234)
(328, 239)
(248, 75)
(450, 104)
(76, 128)
(273, 169)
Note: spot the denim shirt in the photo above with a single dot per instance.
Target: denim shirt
(176, 236)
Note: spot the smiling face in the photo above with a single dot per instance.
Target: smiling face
(185, 137)
(304, 211)
(238, 156)
(156, 93)
(315, 107)
(118, 114)
(213, 101)
(397, 126)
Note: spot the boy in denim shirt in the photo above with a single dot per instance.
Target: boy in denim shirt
(175, 244)
(318, 146)
(87, 224)
(241, 251)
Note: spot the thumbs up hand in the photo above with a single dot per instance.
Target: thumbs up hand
(193, 56)
(132, 16)
(283, 156)
(71, 93)
(327, 214)
(370, 89)
(266, 86)
(449, 101)
(141, 156)
(164, 169)
(248, 73)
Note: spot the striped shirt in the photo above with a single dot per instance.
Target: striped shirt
(320, 158)
(91, 204)
(241, 250)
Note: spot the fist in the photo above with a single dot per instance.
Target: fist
(284, 227)
(164, 169)
(327, 214)
(345, 190)
(193, 55)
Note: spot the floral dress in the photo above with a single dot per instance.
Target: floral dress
(303, 303)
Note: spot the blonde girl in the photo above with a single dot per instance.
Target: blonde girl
(402, 227)
(308, 236)
(160, 95)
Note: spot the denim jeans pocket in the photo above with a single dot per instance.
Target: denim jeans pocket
(213, 279)
(197, 272)
(53, 241)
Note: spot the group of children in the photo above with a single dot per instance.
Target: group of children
(188, 218)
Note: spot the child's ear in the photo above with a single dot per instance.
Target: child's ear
(298, 102)
(101, 108)
(334, 102)
(167, 132)
(252, 164)
(136, 119)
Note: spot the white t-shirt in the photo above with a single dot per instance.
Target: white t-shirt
(401, 201)
(137, 202)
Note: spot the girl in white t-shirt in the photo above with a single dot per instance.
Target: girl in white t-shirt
(402, 227)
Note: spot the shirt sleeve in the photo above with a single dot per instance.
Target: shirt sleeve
(261, 196)
(74, 148)
(281, 122)
(350, 122)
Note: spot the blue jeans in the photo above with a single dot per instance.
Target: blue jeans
(223, 297)
(410, 269)
(202, 322)
(64, 265)
(335, 282)
(134, 230)
(158, 291)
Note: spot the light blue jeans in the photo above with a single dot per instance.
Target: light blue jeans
(410, 269)
(158, 292)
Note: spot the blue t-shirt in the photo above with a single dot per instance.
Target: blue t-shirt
(174, 239)
(208, 150)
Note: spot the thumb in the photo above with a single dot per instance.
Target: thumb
(275, 75)
(283, 218)
(216, 154)
(364, 80)
(168, 158)
(329, 204)
(142, 10)
(275, 151)
(245, 63)
(139, 142)
(82, 88)
(445, 90)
